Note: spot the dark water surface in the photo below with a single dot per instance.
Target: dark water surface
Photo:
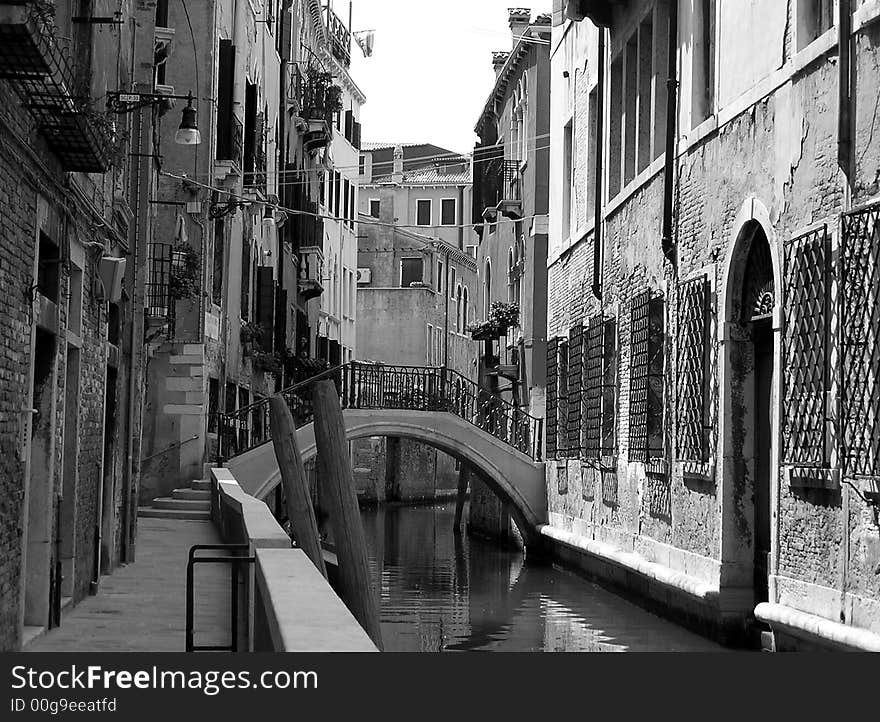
(441, 593)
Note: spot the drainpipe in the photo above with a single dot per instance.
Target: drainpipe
(844, 69)
(600, 123)
(671, 125)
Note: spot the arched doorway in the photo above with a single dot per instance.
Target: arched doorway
(748, 421)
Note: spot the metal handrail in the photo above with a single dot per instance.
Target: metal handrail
(381, 386)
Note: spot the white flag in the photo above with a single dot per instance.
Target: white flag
(364, 39)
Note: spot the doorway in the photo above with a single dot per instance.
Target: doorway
(762, 338)
(748, 422)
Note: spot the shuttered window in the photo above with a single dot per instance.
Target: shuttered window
(266, 306)
(575, 388)
(646, 377)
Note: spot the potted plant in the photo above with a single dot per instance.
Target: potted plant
(251, 337)
(267, 362)
(185, 280)
(504, 315)
(483, 330)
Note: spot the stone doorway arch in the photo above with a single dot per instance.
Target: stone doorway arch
(749, 386)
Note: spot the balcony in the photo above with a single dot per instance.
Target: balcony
(311, 272)
(502, 189)
(319, 99)
(32, 61)
(340, 38)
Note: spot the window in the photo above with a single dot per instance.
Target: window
(567, 177)
(440, 270)
(411, 271)
(375, 205)
(552, 397)
(47, 268)
(638, 100)
(703, 82)
(452, 284)
(219, 250)
(346, 189)
(74, 302)
(423, 212)
(245, 280)
(464, 311)
(487, 288)
(471, 251)
(429, 356)
(593, 121)
(458, 326)
(691, 426)
(646, 439)
(814, 18)
(213, 404)
(226, 141)
(447, 212)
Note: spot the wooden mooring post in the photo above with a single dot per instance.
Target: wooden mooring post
(464, 478)
(298, 501)
(335, 475)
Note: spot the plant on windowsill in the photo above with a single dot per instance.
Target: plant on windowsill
(501, 317)
(251, 337)
(185, 280)
(267, 362)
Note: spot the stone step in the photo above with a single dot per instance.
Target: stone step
(200, 485)
(148, 512)
(168, 502)
(191, 495)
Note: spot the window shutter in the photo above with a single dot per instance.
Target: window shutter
(266, 305)
(280, 319)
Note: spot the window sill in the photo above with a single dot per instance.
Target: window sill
(798, 477)
(868, 13)
(635, 185)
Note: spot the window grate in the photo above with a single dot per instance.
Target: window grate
(860, 341)
(594, 373)
(158, 287)
(575, 387)
(691, 377)
(807, 294)
(639, 376)
(552, 406)
(562, 450)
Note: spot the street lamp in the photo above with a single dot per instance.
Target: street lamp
(187, 133)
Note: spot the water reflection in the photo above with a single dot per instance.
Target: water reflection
(440, 592)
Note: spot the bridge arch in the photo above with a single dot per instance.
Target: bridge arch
(512, 475)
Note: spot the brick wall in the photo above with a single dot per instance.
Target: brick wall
(782, 151)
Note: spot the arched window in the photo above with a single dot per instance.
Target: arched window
(511, 266)
(487, 288)
(458, 326)
(464, 311)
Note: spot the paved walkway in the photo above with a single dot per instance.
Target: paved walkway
(141, 607)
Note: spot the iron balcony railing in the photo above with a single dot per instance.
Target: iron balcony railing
(43, 76)
(376, 386)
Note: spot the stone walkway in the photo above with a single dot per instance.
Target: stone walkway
(141, 607)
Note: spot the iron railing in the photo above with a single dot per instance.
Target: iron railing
(376, 386)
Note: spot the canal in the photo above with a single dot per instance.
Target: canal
(443, 593)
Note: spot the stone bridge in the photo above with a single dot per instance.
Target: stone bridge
(435, 406)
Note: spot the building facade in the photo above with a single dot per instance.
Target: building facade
(711, 408)
(70, 179)
(414, 295)
(257, 242)
(510, 211)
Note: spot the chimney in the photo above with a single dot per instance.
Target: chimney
(498, 60)
(397, 173)
(519, 19)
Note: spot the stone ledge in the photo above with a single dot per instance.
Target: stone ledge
(811, 628)
(654, 572)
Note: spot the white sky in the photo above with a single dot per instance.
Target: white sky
(431, 70)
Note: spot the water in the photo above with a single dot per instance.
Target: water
(444, 593)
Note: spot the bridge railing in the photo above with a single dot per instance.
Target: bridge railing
(379, 386)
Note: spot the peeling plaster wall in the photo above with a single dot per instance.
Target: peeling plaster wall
(781, 150)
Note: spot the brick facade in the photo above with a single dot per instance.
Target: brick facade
(770, 162)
